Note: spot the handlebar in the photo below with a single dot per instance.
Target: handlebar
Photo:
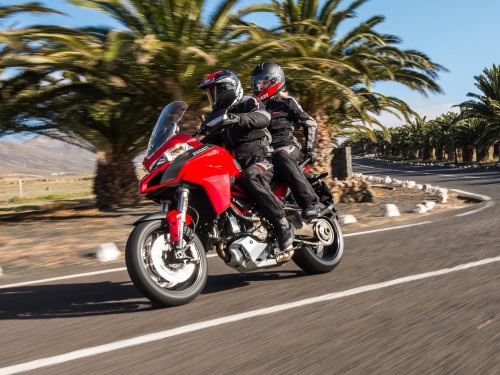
(304, 163)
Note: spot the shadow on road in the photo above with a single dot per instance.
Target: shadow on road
(70, 300)
(104, 298)
(219, 283)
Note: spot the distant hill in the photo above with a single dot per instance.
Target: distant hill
(43, 156)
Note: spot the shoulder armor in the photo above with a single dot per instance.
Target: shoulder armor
(293, 103)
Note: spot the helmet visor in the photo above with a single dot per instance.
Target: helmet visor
(261, 82)
(214, 91)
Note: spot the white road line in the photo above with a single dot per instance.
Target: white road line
(62, 278)
(41, 281)
(420, 172)
(75, 276)
(472, 195)
(161, 335)
(487, 205)
(385, 229)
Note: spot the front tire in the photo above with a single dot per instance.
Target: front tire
(321, 259)
(164, 282)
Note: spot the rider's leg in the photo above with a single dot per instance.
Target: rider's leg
(255, 181)
(285, 165)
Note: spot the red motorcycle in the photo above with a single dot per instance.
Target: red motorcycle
(202, 208)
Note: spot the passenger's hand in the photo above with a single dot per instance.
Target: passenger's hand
(310, 154)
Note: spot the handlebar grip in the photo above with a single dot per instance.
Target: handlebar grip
(304, 163)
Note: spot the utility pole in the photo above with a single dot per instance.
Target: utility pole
(20, 187)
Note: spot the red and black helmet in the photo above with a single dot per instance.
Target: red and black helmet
(268, 79)
(223, 89)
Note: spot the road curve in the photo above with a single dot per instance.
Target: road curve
(412, 300)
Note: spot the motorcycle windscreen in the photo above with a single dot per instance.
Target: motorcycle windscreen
(166, 126)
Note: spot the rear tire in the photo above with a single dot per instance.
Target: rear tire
(163, 283)
(324, 258)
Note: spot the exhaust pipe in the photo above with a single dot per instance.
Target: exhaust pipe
(285, 256)
(221, 252)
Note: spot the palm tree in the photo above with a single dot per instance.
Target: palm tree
(106, 87)
(10, 42)
(332, 72)
(441, 129)
(485, 106)
(466, 134)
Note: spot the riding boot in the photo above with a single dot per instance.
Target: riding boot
(285, 233)
(311, 211)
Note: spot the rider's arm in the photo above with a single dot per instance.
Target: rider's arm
(308, 123)
(254, 115)
(259, 119)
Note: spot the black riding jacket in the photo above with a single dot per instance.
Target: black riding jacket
(249, 140)
(285, 114)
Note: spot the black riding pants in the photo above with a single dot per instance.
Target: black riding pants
(255, 180)
(285, 166)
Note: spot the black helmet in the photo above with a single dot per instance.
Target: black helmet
(223, 89)
(268, 79)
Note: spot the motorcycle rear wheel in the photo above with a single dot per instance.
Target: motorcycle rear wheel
(164, 283)
(321, 259)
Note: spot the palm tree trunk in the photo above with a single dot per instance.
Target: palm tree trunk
(116, 183)
(440, 153)
(451, 154)
(426, 153)
(496, 150)
(482, 153)
(468, 153)
(325, 148)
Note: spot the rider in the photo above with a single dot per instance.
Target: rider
(268, 83)
(245, 134)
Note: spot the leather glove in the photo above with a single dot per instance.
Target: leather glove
(217, 121)
(231, 120)
(311, 155)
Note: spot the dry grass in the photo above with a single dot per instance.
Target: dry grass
(45, 189)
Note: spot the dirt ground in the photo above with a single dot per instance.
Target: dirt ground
(65, 234)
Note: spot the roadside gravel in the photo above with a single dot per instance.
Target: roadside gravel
(64, 235)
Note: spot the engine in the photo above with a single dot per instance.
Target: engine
(248, 247)
(248, 254)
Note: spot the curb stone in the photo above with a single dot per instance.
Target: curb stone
(466, 194)
(441, 194)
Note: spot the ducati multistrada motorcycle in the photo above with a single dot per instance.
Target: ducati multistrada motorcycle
(203, 207)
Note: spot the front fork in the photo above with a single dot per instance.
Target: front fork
(182, 206)
(177, 220)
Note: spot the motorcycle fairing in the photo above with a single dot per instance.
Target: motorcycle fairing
(213, 173)
(169, 173)
(208, 166)
(179, 138)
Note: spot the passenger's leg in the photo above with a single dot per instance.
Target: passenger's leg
(285, 165)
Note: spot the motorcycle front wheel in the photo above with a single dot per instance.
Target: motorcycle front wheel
(323, 258)
(155, 272)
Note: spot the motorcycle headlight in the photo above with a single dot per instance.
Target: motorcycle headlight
(172, 154)
(176, 151)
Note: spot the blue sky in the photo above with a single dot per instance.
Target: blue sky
(461, 35)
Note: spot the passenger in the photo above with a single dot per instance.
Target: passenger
(268, 85)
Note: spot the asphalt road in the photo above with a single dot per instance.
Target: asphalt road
(421, 299)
